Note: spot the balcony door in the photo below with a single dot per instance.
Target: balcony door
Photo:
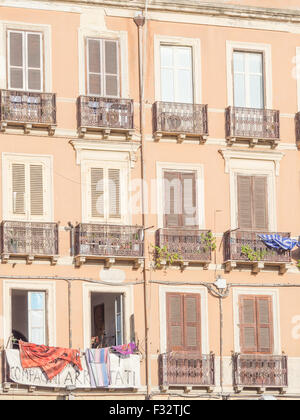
(180, 199)
(252, 202)
(183, 322)
(176, 74)
(256, 325)
(248, 76)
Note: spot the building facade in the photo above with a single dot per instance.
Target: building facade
(147, 148)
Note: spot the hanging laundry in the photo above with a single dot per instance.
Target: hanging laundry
(125, 349)
(278, 242)
(98, 363)
(51, 360)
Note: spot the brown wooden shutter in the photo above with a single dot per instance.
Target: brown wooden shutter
(244, 187)
(94, 67)
(97, 192)
(16, 60)
(36, 190)
(111, 68)
(175, 322)
(114, 193)
(173, 199)
(260, 213)
(265, 324)
(248, 326)
(192, 323)
(34, 61)
(18, 188)
(189, 199)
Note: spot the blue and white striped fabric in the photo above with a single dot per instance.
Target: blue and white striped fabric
(278, 242)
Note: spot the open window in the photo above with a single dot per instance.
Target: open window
(28, 311)
(107, 315)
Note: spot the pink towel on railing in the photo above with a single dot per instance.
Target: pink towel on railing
(125, 349)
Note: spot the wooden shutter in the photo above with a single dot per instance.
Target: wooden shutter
(189, 200)
(256, 324)
(36, 190)
(111, 68)
(173, 199)
(97, 192)
(248, 325)
(265, 324)
(192, 324)
(175, 322)
(244, 185)
(18, 188)
(94, 67)
(16, 60)
(260, 214)
(114, 193)
(34, 61)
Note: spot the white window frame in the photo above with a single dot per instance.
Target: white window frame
(7, 203)
(122, 37)
(202, 292)
(46, 32)
(25, 66)
(161, 168)
(128, 308)
(195, 44)
(30, 286)
(274, 294)
(266, 50)
(251, 164)
(86, 166)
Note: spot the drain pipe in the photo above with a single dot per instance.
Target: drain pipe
(140, 21)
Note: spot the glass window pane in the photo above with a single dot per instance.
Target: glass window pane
(16, 49)
(37, 319)
(166, 56)
(34, 50)
(183, 57)
(16, 78)
(167, 85)
(255, 63)
(256, 92)
(37, 336)
(184, 86)
(239, 90)
(34, 80)
(94, 84)
(239, 62)
(37, 301)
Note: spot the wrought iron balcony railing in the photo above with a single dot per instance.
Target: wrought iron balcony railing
(239, 244)
(187, 370)
(30, 240)
(108, 242)
(28, 109)
(180, 120)
(260, 371)
(105, 115)
(191, 245)
(252, 124)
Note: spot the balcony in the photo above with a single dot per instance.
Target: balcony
(191, 245)
(29, 240)
(252, 125)
(187, 370)
(180, 120)
(28, 110)
(109, 243)
(297, 127)
(260, 372)
(238, 245)
(105, 115)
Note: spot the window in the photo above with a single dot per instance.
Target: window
(248, 75)
(176, 74)
(25, 61)
(180, 199)
(252, 202)
(256, 324)
(29, 316)
(183, 322)
(107, 319)
(103, 77)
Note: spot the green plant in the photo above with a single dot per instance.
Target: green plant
(162, 255)
(253, 255)
(298, 263)
(209, 241)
